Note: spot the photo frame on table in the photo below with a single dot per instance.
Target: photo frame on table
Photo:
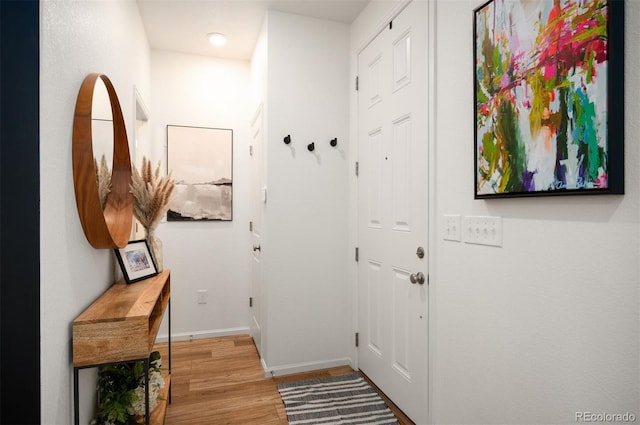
(548, 97)
(136, 261)
(201, 163)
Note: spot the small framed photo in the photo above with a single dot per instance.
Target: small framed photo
(136, 261)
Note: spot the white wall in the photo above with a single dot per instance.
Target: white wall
(305, 229)
(77, 38)
(214, 256)
(547, 325)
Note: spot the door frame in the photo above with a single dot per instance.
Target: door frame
(353, 185)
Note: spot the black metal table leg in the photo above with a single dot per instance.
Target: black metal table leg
(76, 398)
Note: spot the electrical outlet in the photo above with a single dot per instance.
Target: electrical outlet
(482, 230)
(202, 296)
(452, 229)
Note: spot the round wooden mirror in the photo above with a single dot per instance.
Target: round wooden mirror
(107, 227)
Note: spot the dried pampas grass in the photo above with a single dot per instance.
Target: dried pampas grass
(151, 194)
(103, 174)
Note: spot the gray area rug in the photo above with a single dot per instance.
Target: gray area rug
(343, 400)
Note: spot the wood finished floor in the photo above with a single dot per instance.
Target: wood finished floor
(219, 381)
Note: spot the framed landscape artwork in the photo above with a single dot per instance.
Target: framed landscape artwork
(201, 163)
(549, 97)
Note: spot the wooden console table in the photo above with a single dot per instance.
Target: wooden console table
(121, 326)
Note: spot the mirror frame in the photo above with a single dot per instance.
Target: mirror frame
(111, 227)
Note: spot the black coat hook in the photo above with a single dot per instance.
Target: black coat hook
(311, 147)
(334, 142)
(287, 139)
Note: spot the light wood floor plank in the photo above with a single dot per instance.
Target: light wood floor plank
(219, 381)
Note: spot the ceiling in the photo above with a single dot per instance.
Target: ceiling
(183, 25)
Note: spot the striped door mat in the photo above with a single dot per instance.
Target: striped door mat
(343, 400)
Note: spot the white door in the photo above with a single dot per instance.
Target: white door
(393, 210)
(255, 226)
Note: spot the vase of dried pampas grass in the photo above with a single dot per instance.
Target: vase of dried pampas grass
(151, 194)
(155, 245)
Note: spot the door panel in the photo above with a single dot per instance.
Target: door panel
(393, 210)
(401, 334)
(401, 173)
(374, 182)
(402, 61)
(373, 302)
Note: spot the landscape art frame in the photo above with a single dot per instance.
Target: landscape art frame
(200, 160)
(548, 97)
(136, 261)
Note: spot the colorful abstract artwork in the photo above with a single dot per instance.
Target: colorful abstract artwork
(544, 103)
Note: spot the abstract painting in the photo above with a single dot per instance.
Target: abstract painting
(201, 163)
(549, 97)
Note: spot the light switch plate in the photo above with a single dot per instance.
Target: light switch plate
(482, 230)
(452, 228)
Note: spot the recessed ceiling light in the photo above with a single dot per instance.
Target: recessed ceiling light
(217, 39)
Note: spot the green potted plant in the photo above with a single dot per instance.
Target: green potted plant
(121, 393)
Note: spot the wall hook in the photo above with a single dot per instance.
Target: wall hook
(311, 147)
(334, 142)
(287, 139)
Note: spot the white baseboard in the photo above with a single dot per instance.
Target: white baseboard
(270, 372)
(187, 336)
(264, 367)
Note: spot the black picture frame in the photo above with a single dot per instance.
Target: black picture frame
(136, 261)
(548, 110)
(201, 163)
